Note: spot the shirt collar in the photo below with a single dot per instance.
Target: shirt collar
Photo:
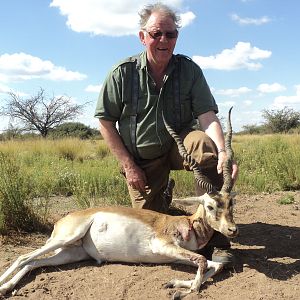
(143, 57)
(170, 67)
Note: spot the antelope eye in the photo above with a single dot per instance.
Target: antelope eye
(210, 208)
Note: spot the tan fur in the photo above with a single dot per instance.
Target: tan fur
(133, 235)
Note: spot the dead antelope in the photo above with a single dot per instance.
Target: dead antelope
(120, 234)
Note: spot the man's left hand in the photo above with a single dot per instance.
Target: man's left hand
(235, 170)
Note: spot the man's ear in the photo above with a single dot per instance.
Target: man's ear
(142, 36)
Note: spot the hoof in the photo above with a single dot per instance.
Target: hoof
(177, 296)
(169, 285)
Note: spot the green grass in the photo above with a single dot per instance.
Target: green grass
(39, 169)
(268, 163)
(288, 199)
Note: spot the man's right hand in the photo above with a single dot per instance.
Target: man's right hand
(136, 178)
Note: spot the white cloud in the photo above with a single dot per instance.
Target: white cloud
(4, 89)
(250, 21)
(248, 102)
(226, 104)
(88, 116)
(93, 88)
(106, 17)
(242, 56)
(187, 18)
(271, 88)
(250, 117)
(290, 101)
(22, 66)
(233, 92)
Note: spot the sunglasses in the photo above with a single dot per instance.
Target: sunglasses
(167, 34)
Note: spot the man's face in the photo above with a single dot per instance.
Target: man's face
(159, 49)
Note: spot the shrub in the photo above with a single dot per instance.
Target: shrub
(14, 195)
(74, 129)
(281, 120)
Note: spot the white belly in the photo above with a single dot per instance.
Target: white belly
(113, 237)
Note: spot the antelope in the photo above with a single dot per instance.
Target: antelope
(123, 234)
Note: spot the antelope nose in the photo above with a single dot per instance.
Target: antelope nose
(233, 230)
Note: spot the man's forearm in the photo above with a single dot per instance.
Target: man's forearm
(113, 140)
(212, 127)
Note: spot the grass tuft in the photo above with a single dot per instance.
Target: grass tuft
(288, 199)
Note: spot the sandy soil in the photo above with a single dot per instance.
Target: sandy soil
(268, 250)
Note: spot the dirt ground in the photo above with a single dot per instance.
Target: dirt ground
(268, 251)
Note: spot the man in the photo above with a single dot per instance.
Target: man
(136, 93)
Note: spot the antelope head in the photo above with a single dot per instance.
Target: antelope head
(217, 205)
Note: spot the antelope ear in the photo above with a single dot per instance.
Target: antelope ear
(200, 200)
(233, 194)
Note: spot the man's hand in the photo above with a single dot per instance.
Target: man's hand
(136, 177)
(235, 170)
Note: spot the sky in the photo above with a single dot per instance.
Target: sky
(248, 50)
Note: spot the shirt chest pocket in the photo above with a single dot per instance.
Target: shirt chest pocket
(186, 108)
(181, 110)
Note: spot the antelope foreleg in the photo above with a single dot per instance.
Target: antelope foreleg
(212, 269)
(195, 284)
(183, 256)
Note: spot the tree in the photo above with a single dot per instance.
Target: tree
(281, 120)
(39, 114)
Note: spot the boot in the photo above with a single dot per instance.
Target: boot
(224, 256)
(219, 249)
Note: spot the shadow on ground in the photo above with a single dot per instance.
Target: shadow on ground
(270, 249)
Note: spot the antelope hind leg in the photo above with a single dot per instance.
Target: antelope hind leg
(24, 259)
(64, 233)
(66, 255)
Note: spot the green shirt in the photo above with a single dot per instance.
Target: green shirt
(152, 138)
